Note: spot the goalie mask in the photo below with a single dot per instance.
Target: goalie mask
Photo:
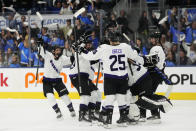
(57, 52)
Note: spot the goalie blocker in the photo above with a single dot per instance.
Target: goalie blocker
(154, 102)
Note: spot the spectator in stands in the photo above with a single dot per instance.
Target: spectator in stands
(164, 29)
(14, 63)
(73, 6)
(44, 35)
(184, 60)
(34, 55)
(98, 23)
(65, 9)
(10, 41)
(166, 44)
(1, 61)
(112, 23)
(191, 33)
(79, 29)
(174, 52)
(170, 60)
(172, 16)
(67, 29)
(55, 40)
(8, 57)
(86, 21)
(67, 50)
(192, 54)
(94, 39)
(188, 17)
(174, 32)
(22, 24)
(143, 24)
(56, 9)
(141, 47)
(123, 22)
(24, 52)
(3, 40)
(10, 20)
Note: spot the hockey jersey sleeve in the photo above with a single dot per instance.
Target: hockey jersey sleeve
(43, 53)
(133, 55)
(95, 54)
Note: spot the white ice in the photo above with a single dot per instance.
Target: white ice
(36, 115)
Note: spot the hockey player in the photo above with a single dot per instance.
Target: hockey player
(155, 71)
(141, 86)
(54, 63)
(89, 94)
(114, 58)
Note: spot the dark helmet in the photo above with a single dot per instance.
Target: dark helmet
(114, 36)
(155, 35)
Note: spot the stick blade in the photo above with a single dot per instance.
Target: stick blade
(39, 15)
(80, 11)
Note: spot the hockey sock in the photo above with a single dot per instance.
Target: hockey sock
(52, 101)
(70, 107)
(91, 106)
(97, 106)
(123, 109)
(56, 108)
(83, 107)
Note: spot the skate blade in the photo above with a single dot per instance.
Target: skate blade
(122, 124)
(108, 126)
(60, 119)
(132, 123)
(142, 120)
(157, 121)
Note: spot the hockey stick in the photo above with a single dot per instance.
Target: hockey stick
(37, 71)
(77, 58)
(129, 60)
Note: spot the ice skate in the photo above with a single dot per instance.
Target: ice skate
(73, 113)
(154, 119)
(83, 116)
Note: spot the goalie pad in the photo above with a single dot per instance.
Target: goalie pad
(154, 102)
(134, 112)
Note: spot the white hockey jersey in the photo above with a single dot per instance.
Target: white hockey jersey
(159, 51)
(136, 70)
(114, 59)
(52, 67)
(84, 65)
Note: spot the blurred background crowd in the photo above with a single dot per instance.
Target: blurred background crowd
(174, 19)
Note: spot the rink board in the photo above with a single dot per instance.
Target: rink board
(20, 83)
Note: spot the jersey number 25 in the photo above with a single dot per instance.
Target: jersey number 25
(117, 59)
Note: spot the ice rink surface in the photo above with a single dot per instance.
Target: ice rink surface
(36, 115)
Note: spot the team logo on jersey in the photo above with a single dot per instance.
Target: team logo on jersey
(54, 67)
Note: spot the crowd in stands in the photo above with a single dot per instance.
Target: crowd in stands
(178, 35)
(18, 50)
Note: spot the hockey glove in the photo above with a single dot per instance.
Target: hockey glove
(40, 42)
(150, 60)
